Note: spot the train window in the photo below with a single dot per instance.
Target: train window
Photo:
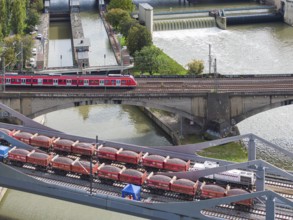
(80, 81)
(45, 81)
(35, 80)
(123, 82)
(50, 81)
(112, 82)
(28, 80)
(74, 81)
(13, 80)
(107, 82)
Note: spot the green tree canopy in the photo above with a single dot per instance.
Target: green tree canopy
(18, 16)
(195, 67)
(138, 37)
(125, 26)
(4, 17)
(116, 15)
(126, 5)
(146, 60)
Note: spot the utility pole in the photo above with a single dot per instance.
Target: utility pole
(210, 58)
(215, 75)
(3, 69)
(21, 57)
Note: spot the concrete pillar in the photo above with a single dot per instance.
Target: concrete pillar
(287, 8)
(270, 208)
(251, 149)
(260, 178)
(146, 16)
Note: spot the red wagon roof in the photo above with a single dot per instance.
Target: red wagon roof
(64, 142)
(23, 135)
(214, 188)
(20, 151)
(110, 168)
(155, 157)
(108, 149)
(64, 160)
(161, 178)
(132, 172)
(39, 155)
(176, 161)
(129, 153)
(184, 182)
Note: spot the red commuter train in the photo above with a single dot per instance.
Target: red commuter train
(111, 81)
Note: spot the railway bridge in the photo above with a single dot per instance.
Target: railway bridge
(198, 100)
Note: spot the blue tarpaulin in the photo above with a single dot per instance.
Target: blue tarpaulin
(131, 191)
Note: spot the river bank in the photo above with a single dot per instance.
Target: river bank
(2, 192)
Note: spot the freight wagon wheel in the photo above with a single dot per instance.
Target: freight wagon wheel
(85, 177)
(60, 172)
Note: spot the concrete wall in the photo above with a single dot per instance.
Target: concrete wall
(146, 16)
(288, 9)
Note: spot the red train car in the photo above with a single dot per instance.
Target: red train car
(176, 164)
(154, 161)
(109, 173)
(133, 176)
(18, 156)
(129, 157)
(39, 159)
(118, 80)
(41, 141)
(185, 187)
(160, 182)
(83, 167)
(86, 149)
(23, 136)
(62, 145)
(61, 165)
(245, 204)
(107, 153)
(212, 191)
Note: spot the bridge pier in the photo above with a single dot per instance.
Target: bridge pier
(218, 113)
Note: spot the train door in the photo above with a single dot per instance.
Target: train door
(68, 82)
(8, 81)
(23, 81)
(118, 82)
(55, 82)
(40, 82)
(102, 82)
(85, 82)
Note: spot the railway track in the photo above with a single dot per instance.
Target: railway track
(179, 85)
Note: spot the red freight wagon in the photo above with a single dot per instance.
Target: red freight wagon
(155, 161)
(41, 141)
(109, 172)
(85, 149)
(63, 145)
(39, 159)
(108, 153)
(23, 136)
(184, 186)
(176, 164)
(18, 155)
(83, 167)
(159, 181)
(133, 176)
(212, 191)
(128, 156)
(246, 203)
(61, 165)
(6, 131)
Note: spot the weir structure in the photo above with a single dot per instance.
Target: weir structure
(15, 179)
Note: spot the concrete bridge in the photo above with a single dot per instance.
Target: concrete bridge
(214, 111)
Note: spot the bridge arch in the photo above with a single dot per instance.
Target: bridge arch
(239, 118)
(138, 103)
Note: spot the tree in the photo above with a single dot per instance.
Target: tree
(138, 37)
(37, 5)
(18, 16)
(195, 67)
(146, 60)
(116, 15)
(3, 17)
(125, 26)
(126, 5)
(33, 18)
